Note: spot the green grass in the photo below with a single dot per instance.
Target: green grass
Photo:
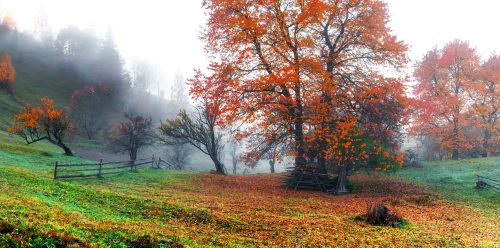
(456, 180)
(29, 195)
(166, 208)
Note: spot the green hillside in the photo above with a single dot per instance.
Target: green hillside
(35, 79)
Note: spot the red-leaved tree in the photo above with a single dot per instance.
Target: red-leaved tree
(485, 109)
(445, 77)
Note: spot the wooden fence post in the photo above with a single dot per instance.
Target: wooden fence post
(55, 171)
(100, 168)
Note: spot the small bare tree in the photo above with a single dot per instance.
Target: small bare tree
(132, 135)
(235, 156)
(199, 130)
(178, 155)
(86, 110)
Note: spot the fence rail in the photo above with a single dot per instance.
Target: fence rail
(66, 171)
(485, 182)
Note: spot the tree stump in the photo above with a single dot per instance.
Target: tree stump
(381, 215)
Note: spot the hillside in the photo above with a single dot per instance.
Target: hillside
(175, 208)
(37, 74)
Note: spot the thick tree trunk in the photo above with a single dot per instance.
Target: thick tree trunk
(67, 150)
(342, 180)
(219, 167)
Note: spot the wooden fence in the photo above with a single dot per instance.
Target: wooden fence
(82, 170)
(485, 182)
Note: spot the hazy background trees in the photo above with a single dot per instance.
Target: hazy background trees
(457, 101)
(132, 135)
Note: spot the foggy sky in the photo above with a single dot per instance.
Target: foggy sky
(166, 32)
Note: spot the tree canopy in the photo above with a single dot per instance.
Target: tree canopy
(309, 74)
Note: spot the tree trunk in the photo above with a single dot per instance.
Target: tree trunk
(342, 180)
(486, 144)
(219, 167)
(455, 141)
(454, 154)
(300, 160)
(271, 165)
(67, 150)
(322, 163)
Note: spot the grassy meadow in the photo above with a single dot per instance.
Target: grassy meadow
(165, 208)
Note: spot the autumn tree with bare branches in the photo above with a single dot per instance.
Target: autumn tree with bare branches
(132, 135)
(200, 129)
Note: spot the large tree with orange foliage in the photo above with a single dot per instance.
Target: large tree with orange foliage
(7, 72)
(485, 109)
(295, 71)
(46, 122)
(445, 78)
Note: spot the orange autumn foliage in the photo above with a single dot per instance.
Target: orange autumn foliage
(7, 72)
(296, 71)
(35, 124)
(484, 112)
(457, 99)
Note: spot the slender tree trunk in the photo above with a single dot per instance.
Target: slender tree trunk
(486, 144)
(322, 161)
(342, 180)
(300, 160)
(455, 141)
(271, 165)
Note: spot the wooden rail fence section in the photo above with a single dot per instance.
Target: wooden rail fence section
(82, 170)
(485, 182)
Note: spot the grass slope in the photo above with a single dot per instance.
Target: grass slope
(35, 79)
(456, 180)
(178, 208)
